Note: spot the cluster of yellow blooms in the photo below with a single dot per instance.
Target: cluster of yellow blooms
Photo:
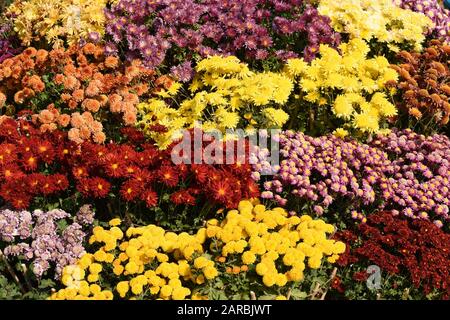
(222, 92)
(57, 21)
(380, 19)
(155, 263)
(351, 84)
(270, 241)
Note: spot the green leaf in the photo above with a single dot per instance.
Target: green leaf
(297, 294)
(62, 224)
(46, 283)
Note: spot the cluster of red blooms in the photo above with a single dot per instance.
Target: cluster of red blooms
(21, 153)
(398, 246)
(35, 163)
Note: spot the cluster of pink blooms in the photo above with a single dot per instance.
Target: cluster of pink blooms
(37, 238)
(403, 172)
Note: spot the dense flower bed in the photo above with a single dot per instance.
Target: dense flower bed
(263, 241)
(397, 245)
(133, 172)
(185, 29)
(403, 171)
(78, 88)
(424, 85)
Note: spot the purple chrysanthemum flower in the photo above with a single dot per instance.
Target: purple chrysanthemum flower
(402, 172)
(191, 28)
(36, 237)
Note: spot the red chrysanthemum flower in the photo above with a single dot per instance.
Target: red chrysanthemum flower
(80, 172)
(60, 182)
(183, 170)
(182, 197)
(147, 157)
(250, 189)
(8, 130)
(221, 191)
(34, 182)
(83, 187)
(27, 144)
(48, 187)
(25, 125)
(130, 170)
(214, 175)
(21, 201)
(131, 190)
(7, 191)
(360, 276)
(30, 162)
(11, 172)
(150, 198)
(240, 169)
(143, 176)
(94, 154)
(201, 172)
(7, 154)
(158, 128)
(99, 187)
(133, 135)
(168, 176)
(114, 166)
(45, 151)
(336, 284)
(127, 153)
(417, 249)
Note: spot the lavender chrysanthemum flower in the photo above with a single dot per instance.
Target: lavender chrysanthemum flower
(183, 72)
(37, 238)
(85, 216)
(402, 172)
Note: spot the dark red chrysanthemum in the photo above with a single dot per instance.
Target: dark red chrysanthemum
(80, 172)
(182, 197)
(336, 284)
(251, 189)
(150, 198)
(147, 157)
(34, 182)
(46, 151)
(98, 187)
(399, 245)
(133, 135)
(360, 276)
(115, 166)
(221, 190)
(168, 176)
(7, 154)
(8, 130)
(201, 172)
(11, 172)
(21, 201)
(30, 161)
(60, 182)
(131, 190)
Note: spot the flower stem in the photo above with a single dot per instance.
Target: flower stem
(11, 271)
